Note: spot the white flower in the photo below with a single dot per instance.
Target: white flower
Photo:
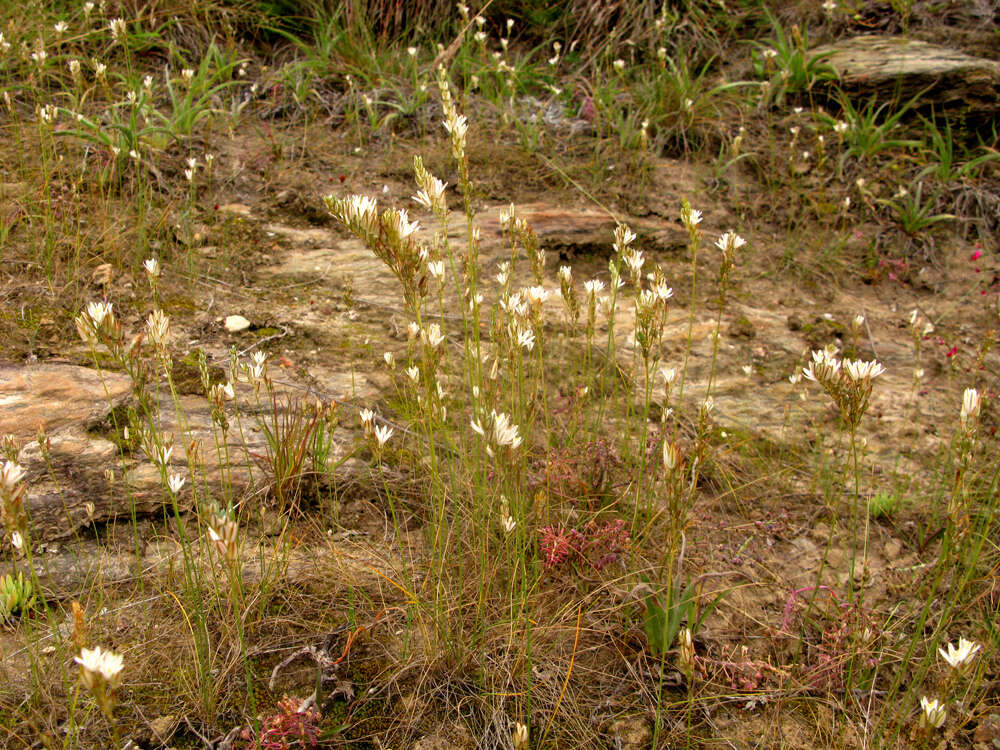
(457, 126)
(413, 374)
(525, 338)
(175, 482)
(220, 393)
(671, 456)
(661, 291)
(411, 51)
(367, 417)
(152, 266)
(503, 275)
(960, 658)
(16, 540)
(971, 404)
(95, 662)
(618, 65)
(519, 737)
(10, 475)
(117, 27)
(565, 274)
(187, 74)
(390, 360)
(508, 523)
(504, 432)
(74, 68)
(159, 326)
(162, 453)
(398, 224)
(934, 712)
(382, 434)
(594, 286)
(857, 370)
(634, 260)
(669, 375)
(691, 217)
(730, 242)
(436, 269)
(432, 196)
(432, 336)
(623, 238)
(537, 294)
(859, 320)
(98, 312)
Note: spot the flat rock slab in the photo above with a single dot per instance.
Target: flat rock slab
(887, 66)
(85, 477)
(52, 396)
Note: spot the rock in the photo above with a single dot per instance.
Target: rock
(631, 732)
(987, 731)
(87, 474)
(236, 323)
(52, 396)
(888, 67)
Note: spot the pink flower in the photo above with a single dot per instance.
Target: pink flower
(977, 255)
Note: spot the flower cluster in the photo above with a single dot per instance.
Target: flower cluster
(391, 236)
(498, 432)
(849, 382)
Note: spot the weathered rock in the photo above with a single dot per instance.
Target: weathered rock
(49, 397)
(886, 67)
(86, 476)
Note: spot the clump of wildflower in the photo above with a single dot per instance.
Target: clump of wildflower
(849, 383)
(100, 672)
(391, 236)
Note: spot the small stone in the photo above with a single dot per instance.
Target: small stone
(236, 323)
(162, 727)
